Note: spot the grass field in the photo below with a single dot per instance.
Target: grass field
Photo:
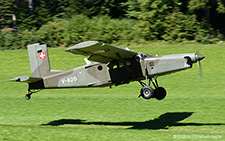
(193, 108)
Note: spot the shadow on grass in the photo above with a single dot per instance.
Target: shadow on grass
(162, 122)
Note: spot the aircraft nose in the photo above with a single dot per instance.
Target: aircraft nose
(199, 57)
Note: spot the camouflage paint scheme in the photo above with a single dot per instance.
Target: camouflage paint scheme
(112, 66)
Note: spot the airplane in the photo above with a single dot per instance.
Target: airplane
(111, 66)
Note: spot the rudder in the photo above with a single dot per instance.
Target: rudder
(39, 60)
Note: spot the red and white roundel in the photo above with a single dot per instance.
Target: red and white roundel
(42, 55)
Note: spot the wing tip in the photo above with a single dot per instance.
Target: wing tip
(83, 45)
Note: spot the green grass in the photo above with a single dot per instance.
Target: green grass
(193, 108)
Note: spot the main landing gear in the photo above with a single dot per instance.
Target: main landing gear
(28, 96)
(148, 92)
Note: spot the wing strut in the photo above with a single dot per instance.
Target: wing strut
(125, 65)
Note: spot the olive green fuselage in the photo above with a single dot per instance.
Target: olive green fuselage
(116, 72)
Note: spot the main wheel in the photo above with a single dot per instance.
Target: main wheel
(147, 92)
(160, 93)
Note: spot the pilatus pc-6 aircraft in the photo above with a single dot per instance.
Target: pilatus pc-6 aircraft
(112, 66)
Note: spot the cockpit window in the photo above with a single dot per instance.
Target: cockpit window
(141, 56)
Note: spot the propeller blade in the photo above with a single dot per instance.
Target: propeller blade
(199, 57)
(199, 70)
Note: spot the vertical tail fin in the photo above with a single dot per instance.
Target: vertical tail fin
(39, 60)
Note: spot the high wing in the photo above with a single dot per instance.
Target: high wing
(100, 52)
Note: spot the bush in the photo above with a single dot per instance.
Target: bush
(81, 28)
(175, 27)
(7, 38)
(102, 28)
(27, 37)
(17, 39)
(53, 33)
(179, 27)
(61, 33)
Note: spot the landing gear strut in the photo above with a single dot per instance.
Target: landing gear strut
(28, 96)
(148, 92)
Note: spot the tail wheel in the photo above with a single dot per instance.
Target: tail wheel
(30, 92)
(160, 93)
(147, 92)
(28, 96)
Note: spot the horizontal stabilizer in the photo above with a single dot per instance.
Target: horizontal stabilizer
(26, 78)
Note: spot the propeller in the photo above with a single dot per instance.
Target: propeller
(199, 70)
(199, 58)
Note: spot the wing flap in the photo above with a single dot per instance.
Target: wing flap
(100, 52)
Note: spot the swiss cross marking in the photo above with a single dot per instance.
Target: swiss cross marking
(42, 55)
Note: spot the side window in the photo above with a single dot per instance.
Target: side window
(116, 65)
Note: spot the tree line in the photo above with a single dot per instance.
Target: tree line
(66, 22)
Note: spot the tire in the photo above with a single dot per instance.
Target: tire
(27, 96)
(160, 93)
(147, 92)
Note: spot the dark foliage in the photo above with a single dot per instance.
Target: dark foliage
(66, 22)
